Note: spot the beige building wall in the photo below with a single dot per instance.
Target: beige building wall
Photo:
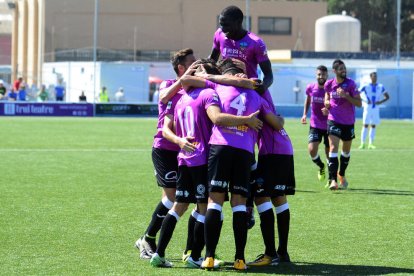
(148, 25)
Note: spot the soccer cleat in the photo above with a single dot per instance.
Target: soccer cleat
(218, 261)
(371, 146)
(192, 263)
(157, 261)
(263, 260)
(321, 173)
(362, 146)
(250, 217)
(343, 184)
(239, 265)
(284, 258)
(145, 249)
(186, 254)
(208, 263)
(333, 185)
(327, 184)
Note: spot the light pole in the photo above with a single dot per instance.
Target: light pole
(95, 38)
(398, 32)
(248, 15)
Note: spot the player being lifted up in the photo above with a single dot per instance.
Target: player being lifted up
(232, 41)
(192, 116)
(315, 96)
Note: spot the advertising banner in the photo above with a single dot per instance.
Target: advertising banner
(126, 109)
(45, 109)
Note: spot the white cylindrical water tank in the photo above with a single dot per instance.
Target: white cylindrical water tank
(337, 33)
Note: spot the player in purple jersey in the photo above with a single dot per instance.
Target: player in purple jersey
(193, 117)
(164, 155)
(274, 179)
(231, 155)
(315, 97)
(232, 41)
(341, 97)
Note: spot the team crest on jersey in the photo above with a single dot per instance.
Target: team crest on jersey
(169, 105)
(243, 45)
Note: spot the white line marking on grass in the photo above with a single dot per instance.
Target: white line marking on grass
(149, 149)
(75, 150)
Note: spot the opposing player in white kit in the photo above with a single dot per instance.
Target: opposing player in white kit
(372, 96)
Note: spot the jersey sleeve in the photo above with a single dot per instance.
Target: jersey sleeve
(165, 84)
(216, 40)
(211, 85)
(308, 90)
(261, 51)
(210, 97)
(353, 90)
(265, 107)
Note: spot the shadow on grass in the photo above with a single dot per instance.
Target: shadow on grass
(381, 192)
(330, 269)
(319, 269)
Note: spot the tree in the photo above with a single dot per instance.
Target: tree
(378, 22)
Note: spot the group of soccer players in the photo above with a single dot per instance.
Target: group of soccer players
(332, 118)
(210, 118)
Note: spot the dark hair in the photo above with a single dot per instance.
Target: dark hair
(233, 12)
(228, 66)
(373, 73)
(322, 68)
(210, 65)
(179, 58)
(337, 63)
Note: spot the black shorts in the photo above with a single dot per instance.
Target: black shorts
(275, 176)
(229, 170)
(344, 132)
(192, 184)
(316, 135)
(165, 167)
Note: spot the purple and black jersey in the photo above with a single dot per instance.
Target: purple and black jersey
(272, 141)
(341, 111)
(250, 49)
(317, 95)
(191, 120)
(239, 102)
(163, 109)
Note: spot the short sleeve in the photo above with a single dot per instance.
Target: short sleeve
(216, 40)
(261, 51)
(210, 97)
(211, 85)
(308, 90)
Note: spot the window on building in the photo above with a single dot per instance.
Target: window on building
(244, 22)
(275, 25)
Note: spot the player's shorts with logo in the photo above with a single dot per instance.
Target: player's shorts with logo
(371, 116)
(229, 170)
(316, 135)
(192, 184)
(275, 176)
(165, 167)
(344, 132)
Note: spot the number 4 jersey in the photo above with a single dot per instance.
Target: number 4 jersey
(240, 102)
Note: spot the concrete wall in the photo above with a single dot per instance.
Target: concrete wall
(168, 24)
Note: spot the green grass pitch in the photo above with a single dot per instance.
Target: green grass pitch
(75, 194)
